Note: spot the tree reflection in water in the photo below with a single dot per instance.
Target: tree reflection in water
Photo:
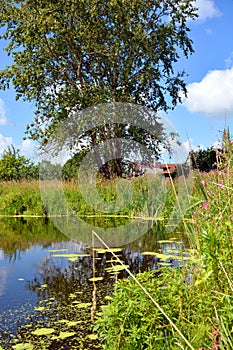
(67, 297)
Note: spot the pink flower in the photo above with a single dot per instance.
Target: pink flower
(221, 185)
(202, 182)
(205, 205)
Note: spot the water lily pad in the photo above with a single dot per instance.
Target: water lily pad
(21, 346)
(73, 259)
(94, 279)
(92, 336)
(110, 250)
(40, 308)
(57, 250)
(43, 331)
(158, 255)
(72, 323)
(64, 335)
(69, 255)
(83, 305)
(117, 268)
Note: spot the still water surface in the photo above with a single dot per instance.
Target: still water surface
(33, 267)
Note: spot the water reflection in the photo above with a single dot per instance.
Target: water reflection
(32, 274)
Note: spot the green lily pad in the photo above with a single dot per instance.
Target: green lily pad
(94, 279)
(57, 250)
(21, 346)
(158, 255)
(92, 336)
(73, 323)
(64, 335)
(43, 331)
(83, 305)
(69, 255)
(110, 250)
(40, 308)
(117, 268)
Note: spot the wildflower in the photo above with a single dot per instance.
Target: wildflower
(221, 185)
(202, 182)
(205, 205)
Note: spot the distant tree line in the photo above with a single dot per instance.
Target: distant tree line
(16, 167)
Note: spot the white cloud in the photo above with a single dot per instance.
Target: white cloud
(4, 142)
(213, 95)
(3, 118)
(190, 146)
(28, 149)
(207, 9)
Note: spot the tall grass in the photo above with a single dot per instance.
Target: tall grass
(198, 296)
(24, 198)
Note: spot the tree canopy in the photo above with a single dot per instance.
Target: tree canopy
(14, 166)
(73, 54)
(68, 55)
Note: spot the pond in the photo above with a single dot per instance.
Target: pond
(49, 281)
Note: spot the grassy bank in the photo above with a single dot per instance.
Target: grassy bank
(143, 197)
(190, 307)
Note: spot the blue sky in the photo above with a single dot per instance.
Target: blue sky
(209, 106)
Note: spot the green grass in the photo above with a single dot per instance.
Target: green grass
(140, 197)
(198, 297)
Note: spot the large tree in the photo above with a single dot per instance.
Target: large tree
(73, 54)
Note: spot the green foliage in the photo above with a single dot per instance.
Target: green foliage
(197, 297)
(75, 54)
(14, 166)
(21, 198)
(132, 321)
(70, 168)
(204, 160)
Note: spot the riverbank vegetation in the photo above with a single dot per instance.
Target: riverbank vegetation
(196, 298)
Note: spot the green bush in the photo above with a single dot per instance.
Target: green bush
(132, 321)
